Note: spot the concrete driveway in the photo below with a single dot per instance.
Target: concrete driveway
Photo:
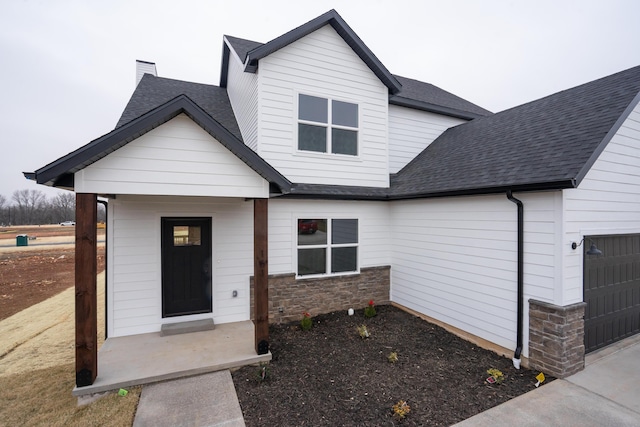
(605, 393)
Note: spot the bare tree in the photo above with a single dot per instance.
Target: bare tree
(4, 210)
(28, 204)
(63, 207)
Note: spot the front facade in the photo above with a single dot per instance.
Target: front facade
(313, 179)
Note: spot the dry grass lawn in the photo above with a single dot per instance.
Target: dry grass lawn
(37, 370)
(43, 397)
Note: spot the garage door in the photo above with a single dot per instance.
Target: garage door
(611, 290)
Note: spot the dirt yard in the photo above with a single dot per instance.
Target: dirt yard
(34, 273)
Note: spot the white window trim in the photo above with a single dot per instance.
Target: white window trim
(328, 126)
(327, 245)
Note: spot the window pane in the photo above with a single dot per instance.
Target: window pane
(344, 231)
(344, 141)
(312, 261)
(184, 235)
(344, 259)
(312, 138)
(312, 108)
(312, 232)
(344, 114)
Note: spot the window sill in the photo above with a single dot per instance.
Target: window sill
(327, 156)
(327, 276)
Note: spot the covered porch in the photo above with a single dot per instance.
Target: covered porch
(140, 358)
(146, 358)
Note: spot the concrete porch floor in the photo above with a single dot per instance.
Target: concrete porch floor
(148, 358)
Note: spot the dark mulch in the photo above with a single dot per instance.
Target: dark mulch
(329, 376)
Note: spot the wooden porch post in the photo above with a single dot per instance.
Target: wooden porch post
(86, 283)
(261, 275)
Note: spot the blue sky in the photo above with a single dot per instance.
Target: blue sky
(68, 67)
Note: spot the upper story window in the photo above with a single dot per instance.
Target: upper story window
(327, 126)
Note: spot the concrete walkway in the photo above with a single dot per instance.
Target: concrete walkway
(205, 400)
(605, 393)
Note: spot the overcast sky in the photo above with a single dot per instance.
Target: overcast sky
(67, 68)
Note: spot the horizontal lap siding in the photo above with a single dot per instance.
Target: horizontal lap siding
(607, 201)
(176, 158)
(322, 64)
(455, 260)
(411, 131)
(135, 303)
(243, 93)
(374, 237)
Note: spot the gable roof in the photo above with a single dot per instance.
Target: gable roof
(150, 108)
(154, 91)
(413, 93)
(550, 143)
(252, 52)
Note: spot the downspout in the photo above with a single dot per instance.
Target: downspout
(518, 352)
(106, 260)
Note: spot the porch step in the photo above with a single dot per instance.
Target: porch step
(187, 327)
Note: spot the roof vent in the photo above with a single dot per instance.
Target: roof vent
(144, 67)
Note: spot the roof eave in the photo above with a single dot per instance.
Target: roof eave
(101, 147)
(342, 28)
(529, 187)
(432, 108)
(607, 138)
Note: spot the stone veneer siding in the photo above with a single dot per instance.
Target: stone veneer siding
(325, 294)
(556, 338)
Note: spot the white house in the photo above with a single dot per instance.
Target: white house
(315, 172)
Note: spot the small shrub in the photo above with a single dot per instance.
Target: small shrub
(393, 357)
(264, 372)
(401, 409)
(370, 310)
(363, 331)
(306, 323)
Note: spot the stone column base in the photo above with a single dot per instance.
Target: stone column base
(556, 338)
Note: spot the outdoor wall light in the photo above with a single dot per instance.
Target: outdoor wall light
(593, 250)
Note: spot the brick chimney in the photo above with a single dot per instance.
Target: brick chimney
(144, 67)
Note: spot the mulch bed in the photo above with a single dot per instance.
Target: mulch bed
(330, 376)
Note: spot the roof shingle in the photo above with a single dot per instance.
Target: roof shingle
(549, 142)
(154, 91)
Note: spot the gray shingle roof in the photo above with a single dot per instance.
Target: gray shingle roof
(413, 94)
(242, 46)
(153, 91)
(425, 96)
(548, 143)
(156, 101)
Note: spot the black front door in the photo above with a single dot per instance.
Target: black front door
(186, 266)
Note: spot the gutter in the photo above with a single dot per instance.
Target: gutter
(518, 352)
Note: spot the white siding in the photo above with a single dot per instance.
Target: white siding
(143, 68)
(176, 158)
(374, 237)
(134, 277)
(411, 131)
(322, 64)
(243, 93)
(607, 201)
(455, 259)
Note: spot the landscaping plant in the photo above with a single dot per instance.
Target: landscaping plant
(370, 310)
(306, 323)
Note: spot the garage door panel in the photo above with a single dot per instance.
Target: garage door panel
(612, 290)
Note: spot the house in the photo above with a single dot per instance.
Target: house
(313, 179)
